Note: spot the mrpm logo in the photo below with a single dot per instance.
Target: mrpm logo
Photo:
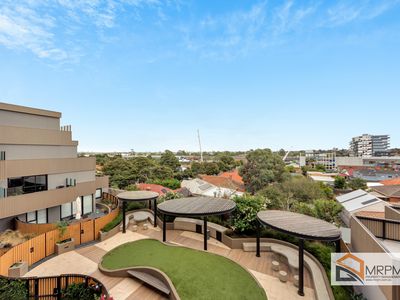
(365, 269)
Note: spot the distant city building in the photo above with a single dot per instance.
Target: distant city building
(368, 145)
(327, 159)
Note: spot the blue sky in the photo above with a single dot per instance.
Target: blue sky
(146, 74)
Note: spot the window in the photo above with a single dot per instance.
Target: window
(66, 210)
(31, 217)
(26, 185)
(42, 216)
(87, 204)
(2, 155)
(98, 193)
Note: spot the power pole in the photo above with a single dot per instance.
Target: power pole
(201, 152)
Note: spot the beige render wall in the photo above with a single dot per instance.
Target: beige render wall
(17, 168)
(14, 152)
(12, 135)
(10, 118)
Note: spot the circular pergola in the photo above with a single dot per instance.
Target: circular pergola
(137, 196)
(302, 227)
(195, 207)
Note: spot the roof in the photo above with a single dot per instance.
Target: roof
(388, 190)
(153, 188)
(299, 225)
(395, 181)
(29, 110)
(322, 178)
(234, 175)
(197, 206)
(201, 187)
(350, 196)
(223, 182)
(137, 196)
(359, 200)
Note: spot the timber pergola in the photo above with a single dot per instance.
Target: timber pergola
(195, 207)
(137, 196)
(302, 227)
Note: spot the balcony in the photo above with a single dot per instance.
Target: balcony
(28, 167)
(34, 136)
(16, 205)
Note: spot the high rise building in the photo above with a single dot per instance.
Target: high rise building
(368, 145)
(42, 179)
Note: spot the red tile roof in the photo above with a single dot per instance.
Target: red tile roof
(223, 182)
(153, 188)
(234, 175)
(395, 181)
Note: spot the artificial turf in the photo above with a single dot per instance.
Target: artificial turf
(195, 274)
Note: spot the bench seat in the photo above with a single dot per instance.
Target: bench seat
(151, 281)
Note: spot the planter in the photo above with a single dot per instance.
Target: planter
(18, 269)
(65, 246)
(108, 234)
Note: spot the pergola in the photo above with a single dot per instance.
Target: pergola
(301, 226)
(195, 207)
(137, 196)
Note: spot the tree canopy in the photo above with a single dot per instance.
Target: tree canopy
(262, 168)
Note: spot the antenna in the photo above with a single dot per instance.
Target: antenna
(201, 152)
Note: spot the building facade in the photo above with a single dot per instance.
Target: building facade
(42, 179)
(326, 159)
(368, 145)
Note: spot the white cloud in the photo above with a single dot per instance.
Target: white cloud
(345, 12)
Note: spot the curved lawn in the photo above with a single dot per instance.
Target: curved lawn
(195, 274)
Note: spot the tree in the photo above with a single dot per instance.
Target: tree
(339, 183)
(285, 194)
(169, 159)
(328, 210)
(197, 168)
(226, 162)
(357, 183)
(262, 168)
(244, 218)
(210, 168)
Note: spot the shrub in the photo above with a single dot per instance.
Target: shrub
(13, 289)
(79, 291)
(245, 215)
(113, 223)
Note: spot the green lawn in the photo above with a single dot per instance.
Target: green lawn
(195, 274)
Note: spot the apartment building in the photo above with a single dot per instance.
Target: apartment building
(368, 145)
(326, 159)
(42, 179)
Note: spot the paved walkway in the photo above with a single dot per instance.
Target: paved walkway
(85, 260)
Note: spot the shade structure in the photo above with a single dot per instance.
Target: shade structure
(300, 226)
(137, 196)
(195, 207)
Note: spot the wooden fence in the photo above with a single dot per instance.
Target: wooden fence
(382, 228)
(43, 245)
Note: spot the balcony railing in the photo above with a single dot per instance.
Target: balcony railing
(382, 228)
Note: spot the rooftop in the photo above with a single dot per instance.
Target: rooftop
(29, 110)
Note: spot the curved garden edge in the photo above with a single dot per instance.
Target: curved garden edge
(149, 270)
(164, 277)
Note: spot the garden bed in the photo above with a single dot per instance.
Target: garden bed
(195, 274)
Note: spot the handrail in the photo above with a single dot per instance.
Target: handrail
(54, 287)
